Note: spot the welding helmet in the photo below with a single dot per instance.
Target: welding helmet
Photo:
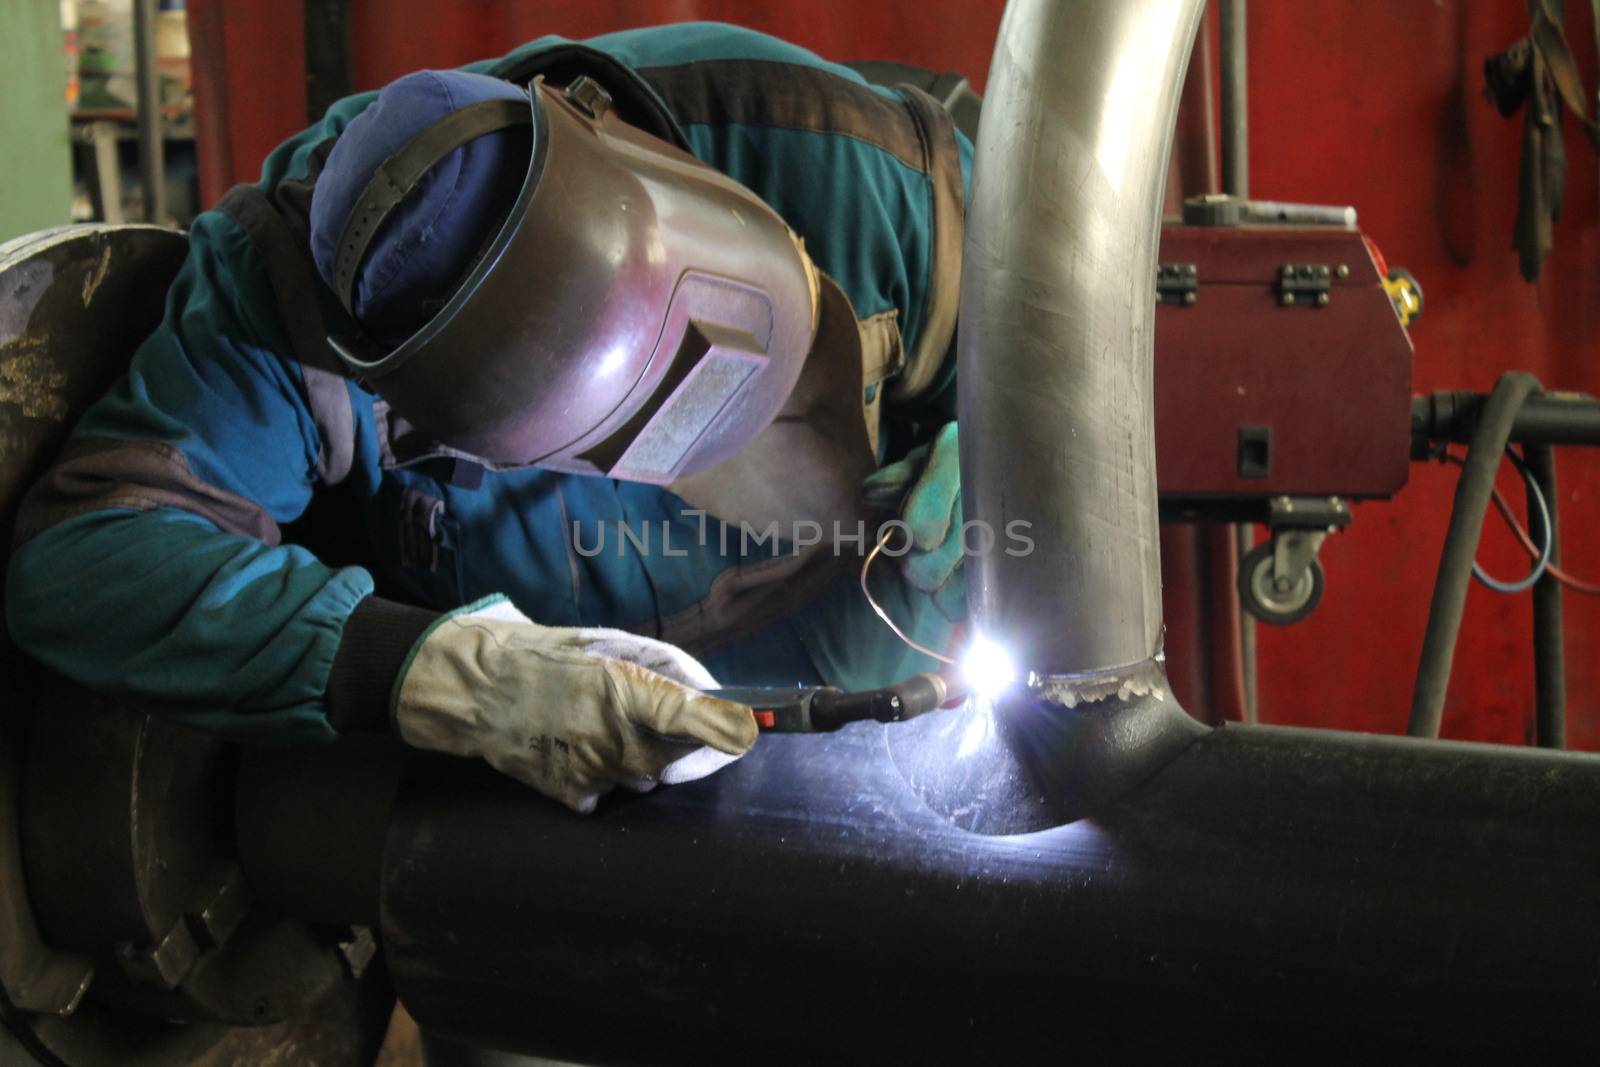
(634, 313)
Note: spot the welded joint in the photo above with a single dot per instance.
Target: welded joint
(1147, 678)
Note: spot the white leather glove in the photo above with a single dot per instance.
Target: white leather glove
(570, 711)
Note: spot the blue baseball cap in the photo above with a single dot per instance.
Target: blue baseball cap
(427, 245)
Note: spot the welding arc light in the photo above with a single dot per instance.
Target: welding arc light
(987, 667)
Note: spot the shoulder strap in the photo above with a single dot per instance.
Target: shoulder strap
(942, 162)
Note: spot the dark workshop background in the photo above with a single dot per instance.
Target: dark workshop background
(1365, 102)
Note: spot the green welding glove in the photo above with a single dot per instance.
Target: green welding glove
(924, 489)
(572, 712)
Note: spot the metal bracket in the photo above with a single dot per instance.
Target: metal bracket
(1288, 589)
(1217, 209)
(218, 905)
(1293, 552)
(1177, 283)
(589, 97)
(1308, 513)
(1307, 284)
(163, 965)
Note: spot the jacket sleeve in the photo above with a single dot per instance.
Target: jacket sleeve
(149, 564)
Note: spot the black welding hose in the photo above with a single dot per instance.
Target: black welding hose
(1549, 658)
(1460, 546)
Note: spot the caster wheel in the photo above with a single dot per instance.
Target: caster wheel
(1263, 598)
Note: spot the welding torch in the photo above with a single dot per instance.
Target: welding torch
(820, 709)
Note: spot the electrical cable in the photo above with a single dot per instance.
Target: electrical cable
(1538, 468)
(883, 539)
(1473, 493)
(1549, 647)
(1503, 506)
(1542, 559)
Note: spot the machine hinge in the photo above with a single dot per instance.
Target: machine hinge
(1177, 283)
(1306, 284)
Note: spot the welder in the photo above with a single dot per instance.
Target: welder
(581, 357)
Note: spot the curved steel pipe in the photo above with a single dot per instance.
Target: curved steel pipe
(1057, 326)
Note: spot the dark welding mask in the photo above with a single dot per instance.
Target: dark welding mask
(639, 315)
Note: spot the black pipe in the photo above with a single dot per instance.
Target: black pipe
(1460, 546)
(1544, 419)
(327, 35)
(1549, 657)
(310, 821)
(1331, 895)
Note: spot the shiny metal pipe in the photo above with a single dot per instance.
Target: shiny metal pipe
(1235, 98)
(1057, 324)
(152, 138)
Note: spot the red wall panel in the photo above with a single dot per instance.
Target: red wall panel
(949, 34)
(1380, 105)
(249, 86)
(1366, 102)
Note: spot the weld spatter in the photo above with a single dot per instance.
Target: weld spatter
(1145, 679)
